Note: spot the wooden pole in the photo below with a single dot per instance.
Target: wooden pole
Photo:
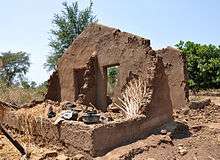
(19, 147)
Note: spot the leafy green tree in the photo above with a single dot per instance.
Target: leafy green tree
(203, 64)
(67, 26)
(14, 66)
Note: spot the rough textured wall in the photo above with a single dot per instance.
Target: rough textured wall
(110, 136)
(161, 100)
(175, 69)
(77, 137)
(111, 47)
(131, 53)
(53, 92)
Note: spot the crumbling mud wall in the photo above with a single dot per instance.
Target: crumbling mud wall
(53, 92)
(77, 137)
(161, 100)
(175, 69)
(110, 46)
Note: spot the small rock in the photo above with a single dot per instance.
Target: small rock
(182, 150)
(163, 131)
(151, 159)
(166, 139)
(199, 104)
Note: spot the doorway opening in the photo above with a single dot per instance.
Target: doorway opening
(78, 81)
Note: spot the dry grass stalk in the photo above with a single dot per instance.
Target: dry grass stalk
(132, 97)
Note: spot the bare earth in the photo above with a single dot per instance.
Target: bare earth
(196, 137)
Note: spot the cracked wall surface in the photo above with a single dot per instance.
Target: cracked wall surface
(99, 47)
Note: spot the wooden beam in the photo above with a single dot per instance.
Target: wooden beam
(19, 147)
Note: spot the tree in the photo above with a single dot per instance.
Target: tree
(27, 84)
(15, 66)
(68, 25)
(203, 64)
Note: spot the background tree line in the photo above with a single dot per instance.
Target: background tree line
(203, 64)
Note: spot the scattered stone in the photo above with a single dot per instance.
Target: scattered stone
(182, 150)
(200, 104)
(103, 119)
(166, 139)
(181, 131)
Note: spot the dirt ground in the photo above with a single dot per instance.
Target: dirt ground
(196, 136)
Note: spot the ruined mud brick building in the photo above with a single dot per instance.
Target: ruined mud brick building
(82, 76)
(82, 70)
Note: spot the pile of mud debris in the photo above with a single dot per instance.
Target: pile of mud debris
(194, 135)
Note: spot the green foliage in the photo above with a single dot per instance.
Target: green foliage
(68, 25)
(14, 66)
(112, 74)
(203, 64)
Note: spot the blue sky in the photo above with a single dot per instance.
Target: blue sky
(25, 24)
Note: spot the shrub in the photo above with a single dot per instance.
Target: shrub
(133, 97)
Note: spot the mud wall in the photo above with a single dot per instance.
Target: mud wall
(161, 99)
(111, 46)
(77, 137)
(175, 69)
(53, 92)
(110, 136)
